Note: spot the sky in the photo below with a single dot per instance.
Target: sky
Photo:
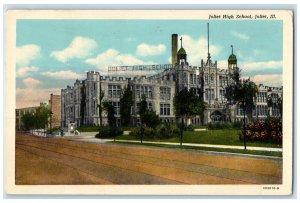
(52, 54)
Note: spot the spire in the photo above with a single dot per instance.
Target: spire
(208, 37)
(231, 49)
(208, 54)
(181, 41)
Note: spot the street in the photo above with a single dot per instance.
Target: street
(63, 160)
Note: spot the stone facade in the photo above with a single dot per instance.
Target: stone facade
(79, 103)
(55, 108)
(159, 94)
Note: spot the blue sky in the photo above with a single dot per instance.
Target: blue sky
(54, 53)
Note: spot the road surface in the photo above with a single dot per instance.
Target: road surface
(62, 160)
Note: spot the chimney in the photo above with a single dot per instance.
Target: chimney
(174, 49)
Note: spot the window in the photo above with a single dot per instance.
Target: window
(143, 90)
(262, 110)
(165, 93)
(262, 97)
(223, 80)
(116, 107)
(212, 77)
(164, 109)
(274, 97)
(193, 79)
(137, 91)
(149, 106)
(222, 95)
(114, 91)
(209, 94)
(206, 79)
(138, 107)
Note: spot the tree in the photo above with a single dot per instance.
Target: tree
(142, 111)
(28, 121)
(279, 105)
(201, 98)
(42, 115)
(126, 102)
(82, 103)
(148, 117)
(111, 119)
(270, 104)
(100, 106)
(243, 94)
(186, 104)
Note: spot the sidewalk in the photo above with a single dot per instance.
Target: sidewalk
(96, 140)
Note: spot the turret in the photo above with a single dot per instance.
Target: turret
(232, 61)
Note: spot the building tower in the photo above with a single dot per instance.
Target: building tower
(181, 55)
(232, 61)
(174, 49)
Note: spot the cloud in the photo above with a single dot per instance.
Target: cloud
(196, 49)
(30, 96)
(80, 47)
(27, 53)
(240, 35)
(262, 65)
(150, 50)
(274, 80)
(31, 82)
(24, 71)
(64, 74)
(112, 57)
(222, 64)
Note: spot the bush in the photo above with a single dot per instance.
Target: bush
(163, 131)
(107, 132)
(269, 130)
(89, 128)
(224, 125)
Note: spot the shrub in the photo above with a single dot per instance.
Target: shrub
(163, 131)
(107, 132)
(224, 125)
(88, 128)
(269, 130)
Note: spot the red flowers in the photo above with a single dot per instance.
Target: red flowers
(269, 130)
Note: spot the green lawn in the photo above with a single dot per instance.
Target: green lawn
(238, 151)
(220, 137)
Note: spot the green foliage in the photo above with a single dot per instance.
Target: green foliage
(186, 104)
(108, 132)
(218, 137)
(37, 120)
(224, 125)
(28, 121)
(242, 93)
(126, 102)
(82, 103)
(88, 128)
(42, 115)
(162, 131)
(150, 119)
(143, 107)
(110, 110)
(100, 105)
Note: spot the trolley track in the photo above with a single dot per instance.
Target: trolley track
(115, 164)
(244, 176)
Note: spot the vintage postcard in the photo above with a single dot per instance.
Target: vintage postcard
(149, 102)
